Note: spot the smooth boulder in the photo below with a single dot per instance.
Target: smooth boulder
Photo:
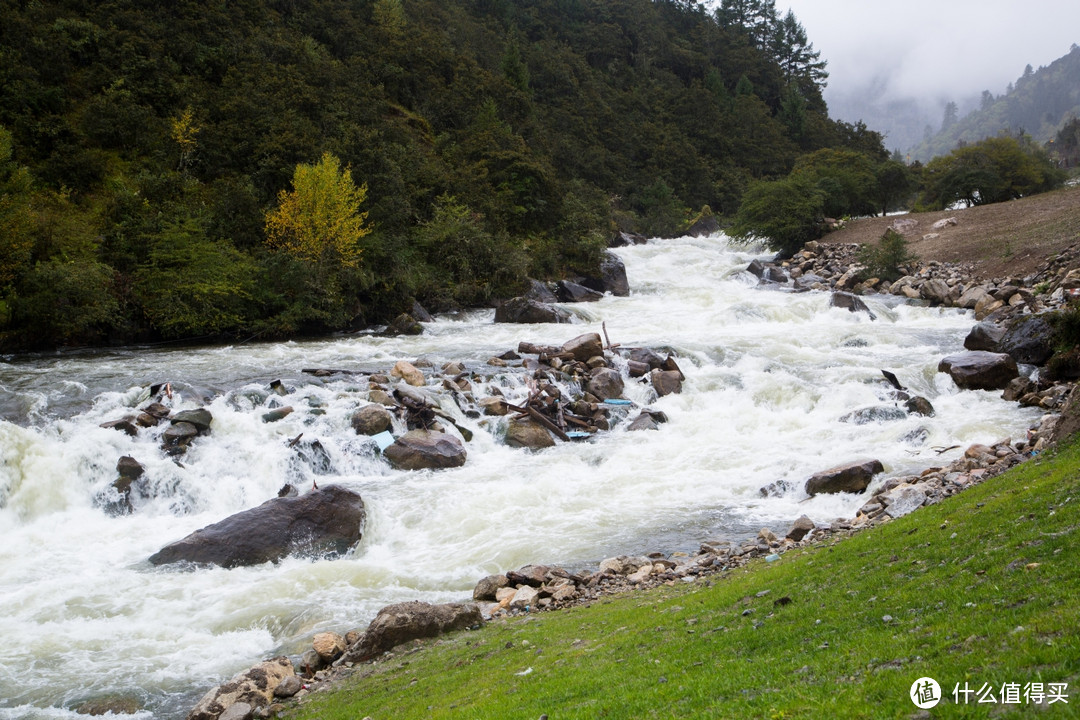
(524, 310)
(425, 450)
(524, 433)
(851, 303)
(980, 370)
(402, 622)
(325, 522)
(852, 477)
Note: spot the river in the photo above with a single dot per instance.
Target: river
(768, 376)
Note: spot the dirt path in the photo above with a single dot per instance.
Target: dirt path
(1004, 239)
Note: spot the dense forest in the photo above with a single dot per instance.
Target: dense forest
(271, 168)
(1038, 104)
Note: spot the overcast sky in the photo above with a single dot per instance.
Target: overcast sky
(935, 49)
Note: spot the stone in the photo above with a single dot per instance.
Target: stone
(572, 292)
(289, 686)
(605, 383)
(584, 347)
(493, 406)
(945, 223)
(238, 711)
(903, 500)
(877, 413)
(623, 239)
(920, 406)
(425, 449)
(971, 297)
(408, 372)
(666, 382)
(1017, 388)
(524, 433)
(985, 306)
(525, 597)
(612, 276)
(800, 528)
(524, 310)
(129, 468)
(852, 477)
(402, 622)
(254, 687)
(1029, 339)
(329, 646)
(277, 414)
(325, 522)
(381, 397)
(405, 324)
(648, 420)
(936, 291)
(371, 420)
(648, 357)
(540, 292)
(984, 336)
(979, 370)
(487, 588)
(200, 418)
(851, 303)
(125, 425)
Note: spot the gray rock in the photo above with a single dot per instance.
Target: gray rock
(524, 433)
(371, 420)
(289, 686)
(801, 527)
(605, 383)
(1029, 339)
(877, 413)
(903, 500)
(487, 587)
(666, 382)
(612, 276)
(524, 310)
(571, 292)
(254, 687)
(425, 449)
(400, 623)
(584, 347)
(936, 291)
(984, 336)
(852, 477)
(851, 303)
(648, 420)
(325, 522)
(200, 418)
(979, 370)
(238, 711)
(540, 292)
(920, 406)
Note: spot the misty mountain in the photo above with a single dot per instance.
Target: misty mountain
(1038, 104)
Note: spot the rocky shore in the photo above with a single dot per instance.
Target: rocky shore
(1012, 337)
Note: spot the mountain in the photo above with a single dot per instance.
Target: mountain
(1039, 104)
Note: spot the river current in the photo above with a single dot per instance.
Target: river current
(769, 375)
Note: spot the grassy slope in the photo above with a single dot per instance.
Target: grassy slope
(968, 604)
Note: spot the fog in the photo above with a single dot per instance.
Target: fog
(896, 65)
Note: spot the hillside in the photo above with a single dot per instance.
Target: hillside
(1038, 104)
(142, 145)
(998, 240)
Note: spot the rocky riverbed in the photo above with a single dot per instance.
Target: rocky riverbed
(1012, 332)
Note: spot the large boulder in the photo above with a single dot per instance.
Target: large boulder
(371, 420)
(851, 303)
(612, 277)
(984, 336)
(254, 687)
(524, 433)
(853, 477)
(425, 449)
(1028, 339)
(605, 383)
(979, 370)
(622, 239)
(666, 382)
(400, 623)
(936, 290)
(584, 346)
(540, 292)
(408, 372)
(325, 522)
(524, 310)
(570, 292)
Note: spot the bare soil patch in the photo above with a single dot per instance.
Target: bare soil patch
(1000, 240)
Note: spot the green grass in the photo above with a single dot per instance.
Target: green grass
(982, 588)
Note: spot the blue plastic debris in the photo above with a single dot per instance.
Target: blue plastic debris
(772, 558)
(383, 440)
(578, 434)
(617, 401)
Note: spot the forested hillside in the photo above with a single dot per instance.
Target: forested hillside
(1038, 104)
(182, 170)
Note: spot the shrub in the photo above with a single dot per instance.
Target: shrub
(887, 259)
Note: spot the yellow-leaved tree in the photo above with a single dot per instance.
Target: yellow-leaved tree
(319, 221)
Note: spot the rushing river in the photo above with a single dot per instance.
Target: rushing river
(769, 375)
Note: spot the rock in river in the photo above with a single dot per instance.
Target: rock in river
(324, 522)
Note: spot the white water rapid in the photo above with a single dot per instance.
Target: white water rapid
(769, 375)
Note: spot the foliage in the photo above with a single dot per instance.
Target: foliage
(784, 213)
(992, 170)
(977, 589)
(319, 221)
(846, 178)
(188, 120)
(887, 259)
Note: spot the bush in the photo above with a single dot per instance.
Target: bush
(887, 259)
(785, 214)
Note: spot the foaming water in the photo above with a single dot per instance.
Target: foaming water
(768, 377)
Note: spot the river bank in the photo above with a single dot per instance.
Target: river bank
(536, 587)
